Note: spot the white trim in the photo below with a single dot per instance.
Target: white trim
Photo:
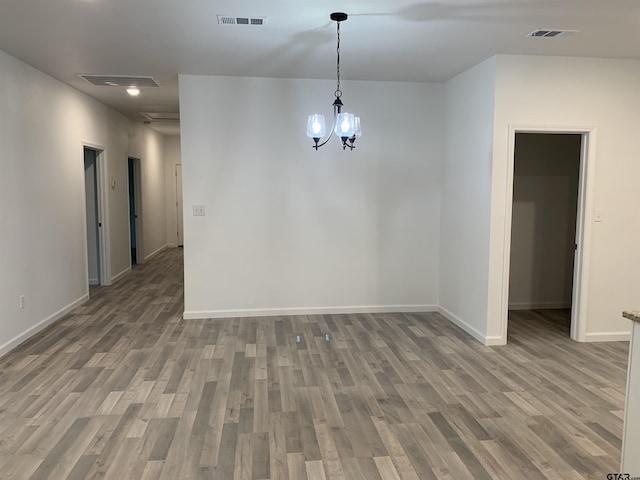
(583, 224)
(94, 282)
(103, 208)
(117, 277)
(482, 338)
(179, 205)
(271, 312)
(506, 249)
(22, 337)
(85, 226)
(155, 252)
(171, 245)
(607, 337)
(539, 305)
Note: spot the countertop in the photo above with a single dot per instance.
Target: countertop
(632, 315)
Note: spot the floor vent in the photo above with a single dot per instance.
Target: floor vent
(120, 81)
(229, 20)
(552, 33)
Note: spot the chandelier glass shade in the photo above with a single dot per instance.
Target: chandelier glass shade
(346, 126)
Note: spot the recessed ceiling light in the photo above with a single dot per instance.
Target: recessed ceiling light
(133, 91)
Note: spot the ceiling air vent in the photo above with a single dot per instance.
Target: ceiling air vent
(229, 20)
(552, 32)
(161, 116)
(120, 81)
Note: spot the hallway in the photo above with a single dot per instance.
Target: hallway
(123, 388)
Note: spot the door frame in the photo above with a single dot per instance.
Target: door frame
(584, 214)
(179, 206)
(137, 192)
(104, 246)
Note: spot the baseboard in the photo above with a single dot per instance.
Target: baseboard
(539, 306)
(608, 337)
(22, 337)
(494, 341)
(155, 252)
(276, 312)
(117, 277)
(484, 339)
(94, 281)
(171, 245)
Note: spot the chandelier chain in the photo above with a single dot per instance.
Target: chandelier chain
(338, 92)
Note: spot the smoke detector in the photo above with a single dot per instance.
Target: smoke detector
(552, 33)
(233, 20)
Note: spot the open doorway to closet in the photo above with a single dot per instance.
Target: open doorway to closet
(544, 229)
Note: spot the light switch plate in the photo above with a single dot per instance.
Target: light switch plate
(598, 215)
(198, 211)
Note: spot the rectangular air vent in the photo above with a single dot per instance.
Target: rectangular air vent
(552, 32)
(120, 81)
(231, 20)
(161, 116)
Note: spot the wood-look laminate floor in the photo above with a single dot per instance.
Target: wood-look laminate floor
(123, 388)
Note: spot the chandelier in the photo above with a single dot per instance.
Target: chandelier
(345, 125)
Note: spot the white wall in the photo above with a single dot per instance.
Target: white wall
(43, 125)
(543, 226)
(171, 159)
(466, 197)
(581, 92)
(288, 229)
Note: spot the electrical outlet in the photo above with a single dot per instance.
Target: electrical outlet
(198, 210)
(21, 302)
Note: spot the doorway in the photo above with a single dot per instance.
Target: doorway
(547, 233)
(92, 215)
(96, 215)
(135, 210)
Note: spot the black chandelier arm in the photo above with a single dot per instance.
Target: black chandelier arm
(347, 142)
(317, 146)
(350, 144)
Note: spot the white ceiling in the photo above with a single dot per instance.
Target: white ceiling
(382, 40)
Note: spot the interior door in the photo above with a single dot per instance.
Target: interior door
(91, 192)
